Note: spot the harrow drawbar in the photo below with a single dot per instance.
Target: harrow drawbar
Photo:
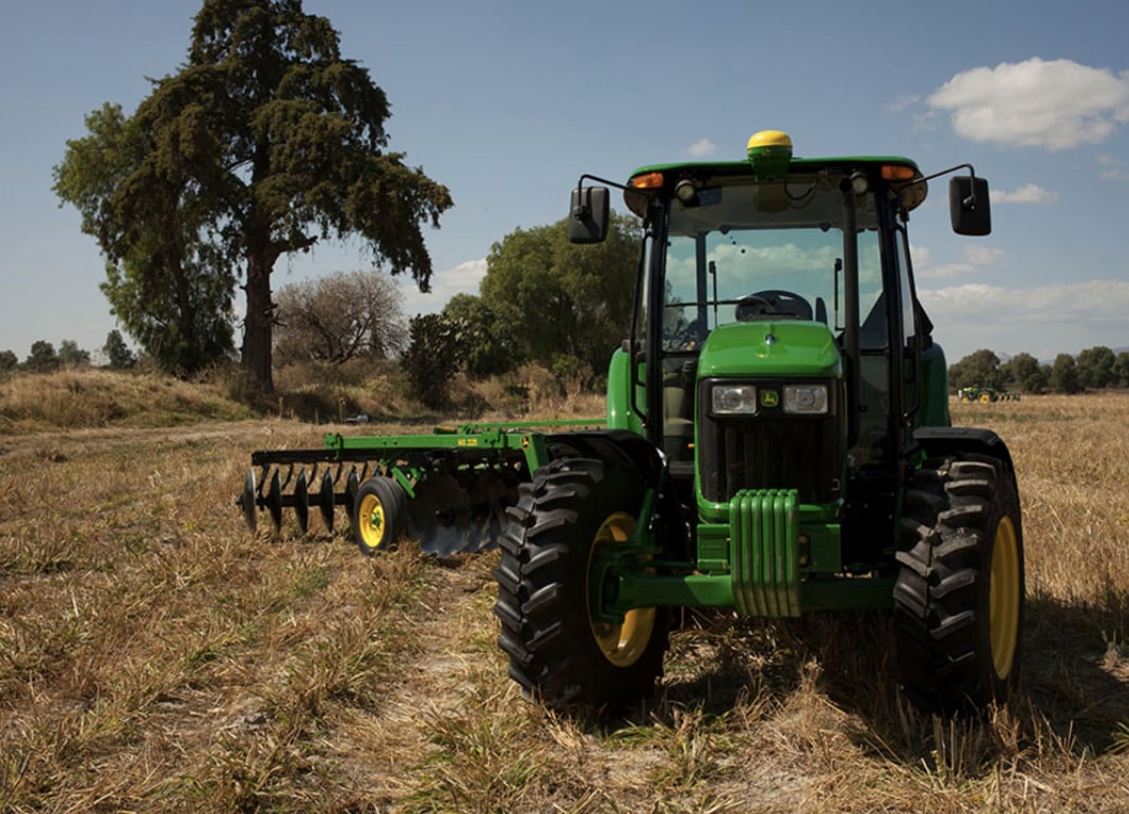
(448, 490)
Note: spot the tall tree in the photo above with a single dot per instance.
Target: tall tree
(71, 356)
(563, 300)
(490, 344)
(170, 279)
(1024, 373)
(1064, 375)
(1121, 369)
(1095, 367)
(266, 141)
(42, 358)
(118, 352)
(433, 357)
(979, 369)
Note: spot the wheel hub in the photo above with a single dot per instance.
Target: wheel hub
(622, 643)
(1003, 598)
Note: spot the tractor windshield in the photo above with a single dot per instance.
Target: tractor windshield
(743, 251)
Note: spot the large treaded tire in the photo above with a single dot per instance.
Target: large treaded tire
(958, 597)
(572, 508)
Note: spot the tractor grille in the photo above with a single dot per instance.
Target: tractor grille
(770, 450)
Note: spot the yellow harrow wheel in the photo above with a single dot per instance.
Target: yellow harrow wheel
(380, 514)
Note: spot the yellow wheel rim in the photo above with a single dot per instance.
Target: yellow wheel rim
(985, 398)
(1003, 598)
(622, 643)
(370, 520)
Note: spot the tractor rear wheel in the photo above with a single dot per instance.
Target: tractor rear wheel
(958, 597)
(573, 513)
(380, 514)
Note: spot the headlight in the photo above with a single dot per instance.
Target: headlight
(805, 399)
(734, 399)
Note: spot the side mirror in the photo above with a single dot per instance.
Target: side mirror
(588, 215)
(969, 206)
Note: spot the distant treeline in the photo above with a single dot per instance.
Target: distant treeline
(1092, 369)
(44, 358)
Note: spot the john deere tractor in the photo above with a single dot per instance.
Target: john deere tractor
(778, 441)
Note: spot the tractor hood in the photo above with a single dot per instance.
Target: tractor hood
(770, 348)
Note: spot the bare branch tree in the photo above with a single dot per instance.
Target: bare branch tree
(340, 317)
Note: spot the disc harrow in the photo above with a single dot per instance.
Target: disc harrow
(448, 490)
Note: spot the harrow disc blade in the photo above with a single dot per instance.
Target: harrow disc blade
(326, 500)
(302, 501)
(459, 515)
(274, 501)
(247, 501)
(352, 486)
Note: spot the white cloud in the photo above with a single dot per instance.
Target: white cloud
(1029, 193)
(979, 255)
(976, 258)
(1044, 321)
(1113, 169)
(1092, 299)
(902, 102)
(462, 279)
(1051, 104)
(702, 149)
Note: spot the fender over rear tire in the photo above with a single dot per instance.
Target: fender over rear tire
(959, 593)
(564, 518)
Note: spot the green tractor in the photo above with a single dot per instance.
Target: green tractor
(984, 395)
(778, 441)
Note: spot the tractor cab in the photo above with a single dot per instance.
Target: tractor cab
(778, 342)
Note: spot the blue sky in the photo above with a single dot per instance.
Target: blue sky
(508, 102)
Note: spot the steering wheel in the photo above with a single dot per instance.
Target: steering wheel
(772, 302)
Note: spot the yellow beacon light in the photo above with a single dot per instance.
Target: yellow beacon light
(770, 151)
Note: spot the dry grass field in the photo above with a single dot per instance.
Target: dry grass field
(154, 656)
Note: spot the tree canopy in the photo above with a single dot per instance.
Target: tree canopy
(265, 141)
(566, 305)
(117, 352)
(490, 344)
(433, 356)
(1095, 367)
(978, 369)
(1024, 372)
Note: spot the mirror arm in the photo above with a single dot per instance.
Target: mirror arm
(581, 212)
(970, 201)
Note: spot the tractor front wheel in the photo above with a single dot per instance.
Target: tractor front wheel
(959, 593)
(567, 521)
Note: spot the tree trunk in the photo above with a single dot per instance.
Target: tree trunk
(257, 328)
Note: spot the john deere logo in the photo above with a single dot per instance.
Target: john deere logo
(769, 398)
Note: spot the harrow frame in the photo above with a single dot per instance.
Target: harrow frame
(331, 476)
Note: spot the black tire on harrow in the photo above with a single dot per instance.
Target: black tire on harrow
(380, 514)
(958, 596)
(558, 653)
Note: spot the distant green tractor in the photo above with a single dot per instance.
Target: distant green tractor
(984, 395)
(778, 441)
